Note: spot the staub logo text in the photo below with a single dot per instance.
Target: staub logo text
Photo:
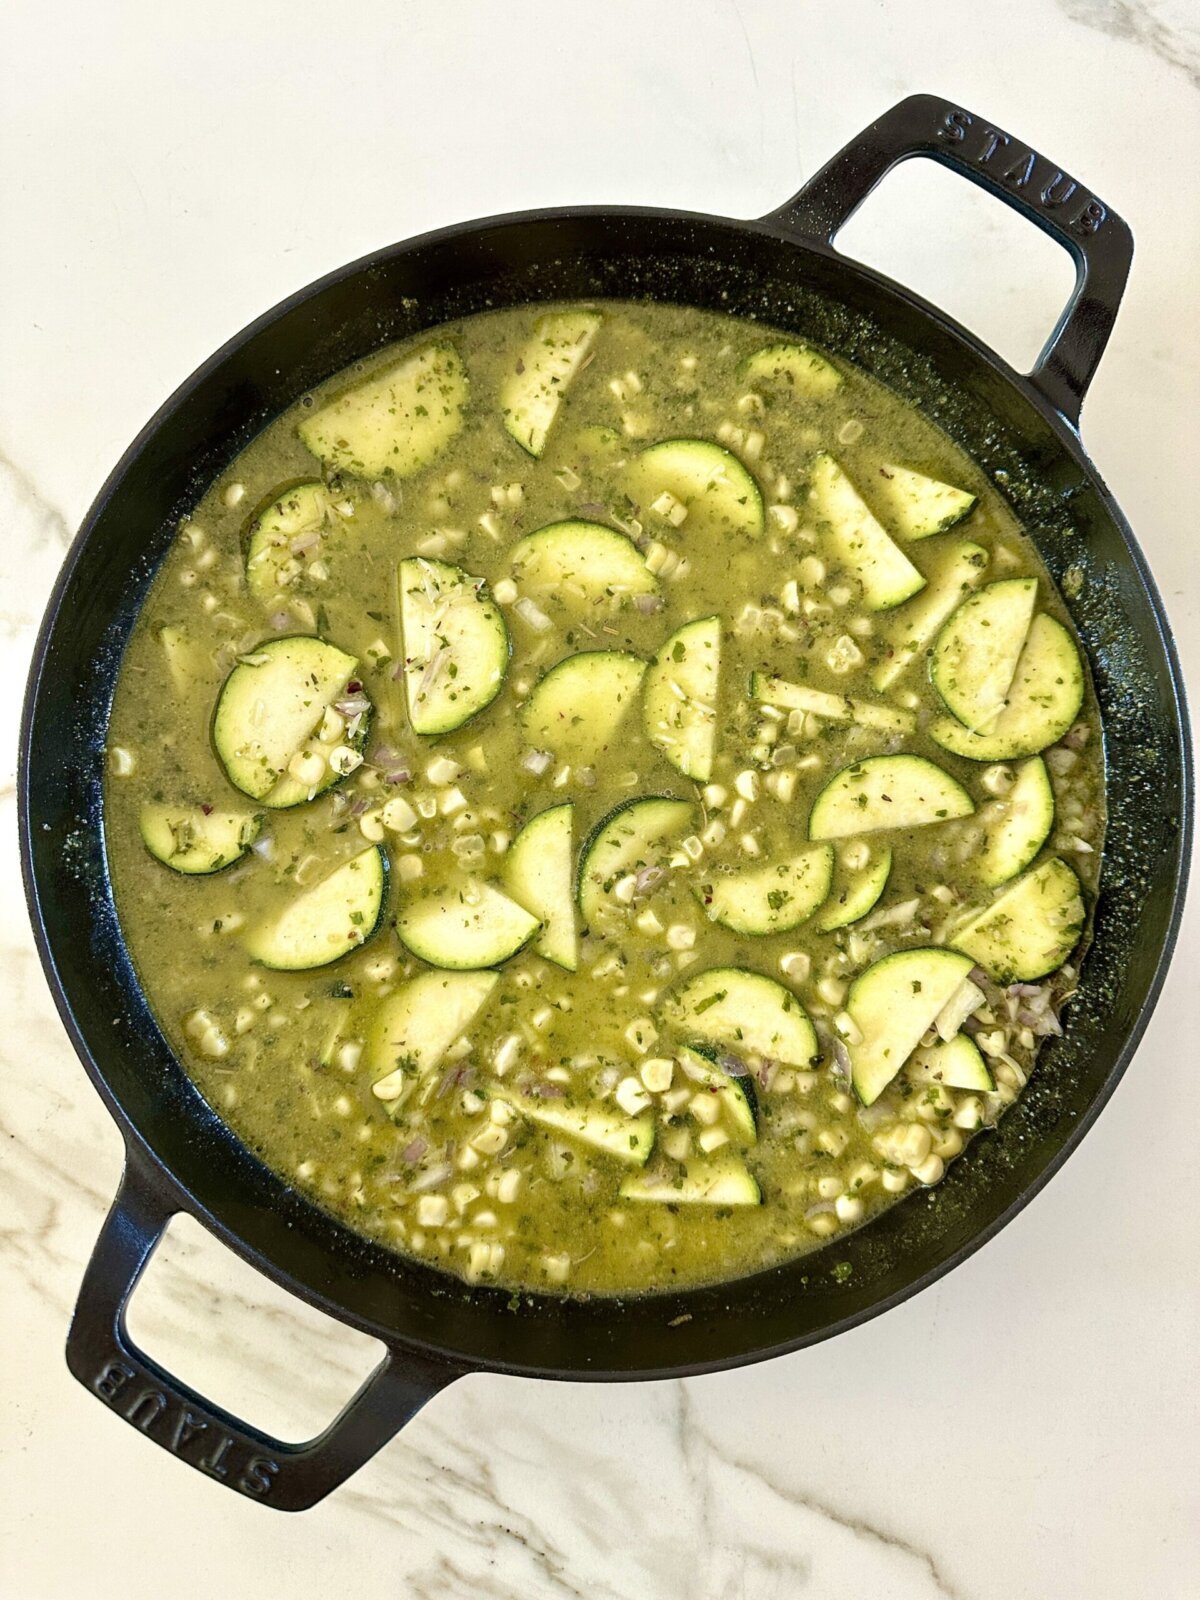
(198, 1439)
(1046, 186)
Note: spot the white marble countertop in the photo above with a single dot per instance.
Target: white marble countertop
(1026, 1428)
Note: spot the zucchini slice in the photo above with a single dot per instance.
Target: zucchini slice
(734, 1094)
(1046, 694)
(885, 792)
(717, 493)
(679, 699)
(542, 373)
(976, 653)
(455, 645)
(791, 366)
(1025, 817)
(638, 834)
(197, 840)
(722, 1179)
(326, 922)
(298, 514)
(855, 893)
(745, 1012)
(955, 1063)
(186, 662)
(772, 898)
(394, 423)
(916, 506)
(270, 707)
(539, 873)
(335, 1033)
(857, 540)
(581, 564)
(415, 1026)
(576, 709)
(1029, 929)
(464, 926)
(775, 691)
(892, 1004)
(595, 1123)
(908, 631)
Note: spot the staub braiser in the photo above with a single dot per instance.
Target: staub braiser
(784, 270)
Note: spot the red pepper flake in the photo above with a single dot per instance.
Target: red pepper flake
(207, 809)
(354, 687)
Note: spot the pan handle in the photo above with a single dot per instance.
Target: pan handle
(101, 1354)
(1098, 240)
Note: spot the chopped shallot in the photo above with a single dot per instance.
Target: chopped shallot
(352, 705)
(734, 1066)
(431, 1177)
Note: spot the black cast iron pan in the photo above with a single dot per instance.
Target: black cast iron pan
(784, 270)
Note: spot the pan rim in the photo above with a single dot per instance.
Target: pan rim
(138, 1146)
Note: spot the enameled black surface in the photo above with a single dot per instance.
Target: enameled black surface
(764, 270)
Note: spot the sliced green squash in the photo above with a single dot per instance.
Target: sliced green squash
(856, 540)
(907, 632)
(581, 564)
(455, 645)
(976, 653)
(299, 512)
(885, 792)
(854, 893)
(744, 1011)
(595, 1123)
(335, 1032)
(323, 923)
(196, 839)
(917, 507)
(734, 1094)
(464, 925)
(1043, 702)
(954, 1063)
(722, 1179)
(637, 835)
(772, 898)
(395, 422)
(892, 1004)
(577, 708)
(270, 708)
(719, 495)
(679, 697)
(795, 366)
(775, 691)
(1031, 927)
(532, 392)
(539, 875)
(1024, 818)
(187, 662)
(415, 1026)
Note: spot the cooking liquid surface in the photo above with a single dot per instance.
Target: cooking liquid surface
(284, 1056)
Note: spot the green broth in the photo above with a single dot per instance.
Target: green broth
(278, 1053)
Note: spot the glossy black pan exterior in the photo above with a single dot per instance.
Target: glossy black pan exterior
(782, 269)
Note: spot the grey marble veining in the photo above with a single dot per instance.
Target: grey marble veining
(1169, 29)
